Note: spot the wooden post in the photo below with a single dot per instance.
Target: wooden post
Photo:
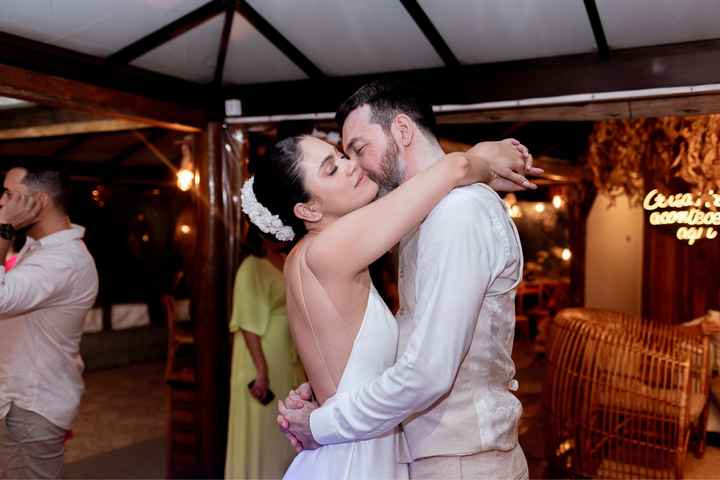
(580, 200)
(209, 305)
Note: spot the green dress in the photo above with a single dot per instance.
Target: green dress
(256, 448)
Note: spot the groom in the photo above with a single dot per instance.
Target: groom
(451, 385)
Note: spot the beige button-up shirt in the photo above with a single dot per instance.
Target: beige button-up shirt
(43, 303)
(451, 385)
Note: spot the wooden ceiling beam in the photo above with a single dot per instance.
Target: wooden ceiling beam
(431, 33)
(125, 155)
(72, 128)
(64, 93)
(693, 63)
(40, 115)
(276, 38)
(168, 32)
(597, 28)
(627, 109)
(576, 113)
(101, 171)
(72, 144)
(48, 59)
(224, 43)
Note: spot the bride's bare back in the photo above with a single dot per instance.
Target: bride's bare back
(324, 320)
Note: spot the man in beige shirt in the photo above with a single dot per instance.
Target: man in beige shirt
(43, 303)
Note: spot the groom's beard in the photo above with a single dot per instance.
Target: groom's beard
(391, 175)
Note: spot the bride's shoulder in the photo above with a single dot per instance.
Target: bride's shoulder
(296, 259)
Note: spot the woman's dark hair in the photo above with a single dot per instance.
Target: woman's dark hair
(279, 182)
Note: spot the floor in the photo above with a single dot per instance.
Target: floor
(120, 430)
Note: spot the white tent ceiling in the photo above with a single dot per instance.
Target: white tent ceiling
(347, 37)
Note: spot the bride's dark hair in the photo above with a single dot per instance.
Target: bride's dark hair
(279, 182)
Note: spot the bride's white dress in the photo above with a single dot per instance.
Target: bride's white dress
(374, 350)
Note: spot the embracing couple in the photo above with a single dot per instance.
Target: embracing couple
(443, 367)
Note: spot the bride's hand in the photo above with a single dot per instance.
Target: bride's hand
(508, 161)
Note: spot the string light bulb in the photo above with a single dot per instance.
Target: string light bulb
(557, 202)
(186, 175)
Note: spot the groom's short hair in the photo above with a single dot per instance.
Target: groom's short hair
(388, 99)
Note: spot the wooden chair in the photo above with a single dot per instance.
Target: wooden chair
(182, 430)
(624, 396)
(180, 338)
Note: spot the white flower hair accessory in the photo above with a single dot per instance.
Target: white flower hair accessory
(261, 216)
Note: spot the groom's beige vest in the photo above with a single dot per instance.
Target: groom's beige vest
(480, 413)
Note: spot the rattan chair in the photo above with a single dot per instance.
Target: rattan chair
(624, 396)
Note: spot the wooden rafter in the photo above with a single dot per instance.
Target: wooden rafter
(692, 63)
(168, 32)
(48, 59)
(64, 93)
(71, 128)
(224, 42)
(73, 143)
(135, 148)
(597, 28)
(431, 33)
(277, 39)
(99, 171)
(38, 122)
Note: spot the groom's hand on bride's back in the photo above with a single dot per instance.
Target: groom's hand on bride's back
(294, 418)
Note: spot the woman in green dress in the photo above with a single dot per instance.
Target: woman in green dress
(264, 355)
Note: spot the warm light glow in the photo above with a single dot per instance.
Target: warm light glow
(564, 447)
(185, 229)
(515, 211)
(185, 179)
(146, 238)
(557, 201)
(687, 211)
(540, 207)
(566, 254)
(96, 193)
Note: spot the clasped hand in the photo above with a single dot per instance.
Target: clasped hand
(294, 418)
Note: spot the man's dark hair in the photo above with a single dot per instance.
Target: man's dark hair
(386, 100)
(42, 177)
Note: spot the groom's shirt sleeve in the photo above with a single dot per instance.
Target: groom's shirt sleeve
(458, 255)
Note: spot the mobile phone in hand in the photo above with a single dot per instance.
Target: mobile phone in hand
(269, 395)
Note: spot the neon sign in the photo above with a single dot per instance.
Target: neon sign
(687, 210)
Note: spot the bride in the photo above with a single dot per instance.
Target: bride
(308, 192)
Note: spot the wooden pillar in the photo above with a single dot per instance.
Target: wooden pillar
(580, 200)
(209, 304)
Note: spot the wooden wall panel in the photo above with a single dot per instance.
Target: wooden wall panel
(680, 281)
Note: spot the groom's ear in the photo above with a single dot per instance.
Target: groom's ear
(403, 128)
(307, 212)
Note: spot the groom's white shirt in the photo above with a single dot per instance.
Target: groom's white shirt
(451, 385)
